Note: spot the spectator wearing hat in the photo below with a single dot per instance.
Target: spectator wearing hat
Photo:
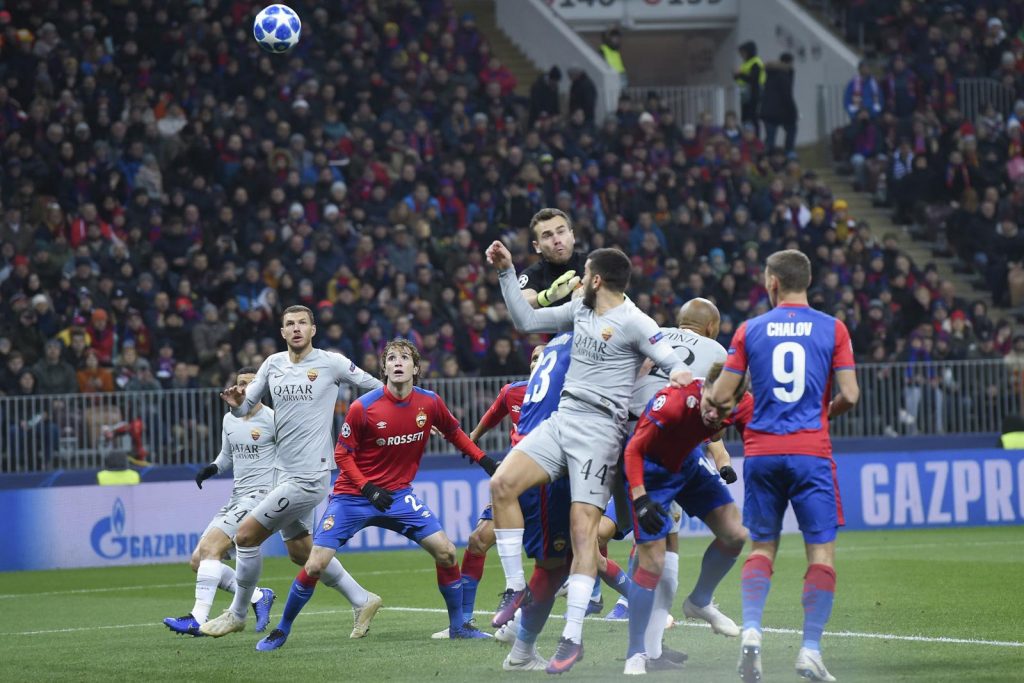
(53, 374)
(26, 336)
(582, 94)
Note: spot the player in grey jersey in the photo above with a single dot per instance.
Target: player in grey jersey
(611, 337)
(303, 382)
(248, 446)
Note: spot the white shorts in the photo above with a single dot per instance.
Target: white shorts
(676, 511)
(291, 505)
(231, 515)
(582, 441)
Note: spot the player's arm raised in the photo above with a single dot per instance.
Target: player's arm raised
(243, 400)
(525, 317)
(494, 415)
(449, 426)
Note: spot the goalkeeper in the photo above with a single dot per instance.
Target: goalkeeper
(551, 280)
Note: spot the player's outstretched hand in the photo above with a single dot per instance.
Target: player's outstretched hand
(488, 464)
(381, 498)
(234, 395)
(205, 474)
(650, 514)
(728, 474)
(680, 378)
(559, 289)
(498, 255)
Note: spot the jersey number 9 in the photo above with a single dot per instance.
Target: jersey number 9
(789, 368)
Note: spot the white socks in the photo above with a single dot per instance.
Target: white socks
(521, 651)
(577, 599)
(510, 550)
(227, 577)
(249, 566)
(335, 576)
(207, 577)
(664, 594)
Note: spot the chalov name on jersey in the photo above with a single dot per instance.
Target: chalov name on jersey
(789, 329)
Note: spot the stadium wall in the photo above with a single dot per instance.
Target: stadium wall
(779, 26)
(90, 526)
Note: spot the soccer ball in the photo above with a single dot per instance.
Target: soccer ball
(277, 28)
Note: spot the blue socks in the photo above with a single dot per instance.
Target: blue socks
(819, 593)
(300, 593)
(757, 580)
(718, 560)
(641, 603)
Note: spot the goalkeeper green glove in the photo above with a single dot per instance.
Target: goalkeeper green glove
(559, 289)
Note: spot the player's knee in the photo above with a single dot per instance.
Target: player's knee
(501, 488)
(298, 557)
(245, 539)
(445, 556)
(735, 537)
(194, 561)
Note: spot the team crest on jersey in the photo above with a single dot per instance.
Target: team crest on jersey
(654, 339)
(516, 409)
(677, 515)
(523, 279)
(255, 434)
(346, 431)
(606, 333)
(558, 544)
(658, 403)
(312, 375)
(691, 401)
(382, 425)
(328, 522)
(421, 418)
(381, 442)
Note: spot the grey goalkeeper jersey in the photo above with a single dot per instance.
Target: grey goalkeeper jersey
(249, 447)
(698, 353)
(304, 395)
(607, 350)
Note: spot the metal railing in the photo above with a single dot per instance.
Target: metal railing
(179, 427)
(688, 102)
(975, 94)
(831, 112)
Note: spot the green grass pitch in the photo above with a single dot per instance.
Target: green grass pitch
(945, 586)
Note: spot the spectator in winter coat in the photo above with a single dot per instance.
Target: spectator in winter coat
(778, 107)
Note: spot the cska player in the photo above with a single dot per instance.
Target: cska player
(793, 354)
(379, 450)
(664, 463)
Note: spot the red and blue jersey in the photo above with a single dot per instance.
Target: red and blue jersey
(544, 388)
(671, 428)
(791, 352)
(509, 402)
(383, 439)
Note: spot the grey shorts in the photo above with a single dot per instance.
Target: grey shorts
(231, 515)
(584, 443)
(290, 506)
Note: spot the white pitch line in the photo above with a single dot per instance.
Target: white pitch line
(433, 610)
(115, 589)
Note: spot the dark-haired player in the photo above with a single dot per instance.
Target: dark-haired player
(793, 354)
(379, 450)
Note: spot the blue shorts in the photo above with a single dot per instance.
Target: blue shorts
(696, 487)
(546, 516)
(348, 514)
(610, 512)
(806, 481)
(546, 513)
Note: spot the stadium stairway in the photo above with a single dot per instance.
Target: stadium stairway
(519, 64)
(861, 207)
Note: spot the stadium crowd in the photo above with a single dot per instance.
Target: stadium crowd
(926, 133)
(169, 188)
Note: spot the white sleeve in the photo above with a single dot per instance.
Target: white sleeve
(254, 392)
(528, 319)
(650, 343)
(348, 372)
(223, 460)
